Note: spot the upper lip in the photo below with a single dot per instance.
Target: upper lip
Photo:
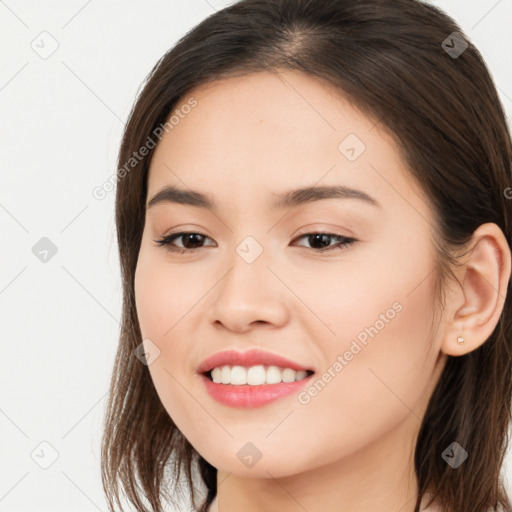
(249, 358)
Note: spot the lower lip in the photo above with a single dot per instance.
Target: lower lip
(248, 397)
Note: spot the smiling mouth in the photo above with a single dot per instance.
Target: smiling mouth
(295, 375)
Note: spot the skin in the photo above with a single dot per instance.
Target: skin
(350, 448)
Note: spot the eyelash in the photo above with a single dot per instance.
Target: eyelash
(343, 241)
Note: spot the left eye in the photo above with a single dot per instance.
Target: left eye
(322, 239)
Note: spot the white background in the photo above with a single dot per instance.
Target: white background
(62, 122)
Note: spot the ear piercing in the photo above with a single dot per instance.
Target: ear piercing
(460, 339)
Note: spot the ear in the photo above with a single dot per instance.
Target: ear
(476, 305)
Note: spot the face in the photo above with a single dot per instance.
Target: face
(282, 278)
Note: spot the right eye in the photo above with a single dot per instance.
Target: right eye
(189, 238)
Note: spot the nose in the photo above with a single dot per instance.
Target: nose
(249, 293)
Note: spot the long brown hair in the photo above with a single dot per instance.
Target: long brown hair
(400, 63)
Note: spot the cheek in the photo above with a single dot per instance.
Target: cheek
(162, 299)
(383, 285)
(164, 294)
(376, 385)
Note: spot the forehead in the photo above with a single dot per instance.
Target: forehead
(268, 132)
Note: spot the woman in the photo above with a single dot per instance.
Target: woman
(314, 223)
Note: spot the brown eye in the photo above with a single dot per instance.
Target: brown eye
(321, 242)
(190, 241)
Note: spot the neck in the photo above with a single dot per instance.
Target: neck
(379, 477)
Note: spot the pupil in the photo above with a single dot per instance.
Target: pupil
(318, 236)
(189, 237)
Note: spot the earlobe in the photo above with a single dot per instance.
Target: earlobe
(478, 303)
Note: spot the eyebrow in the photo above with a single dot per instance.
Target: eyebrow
(289, 199)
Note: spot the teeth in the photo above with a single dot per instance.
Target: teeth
(255, 375)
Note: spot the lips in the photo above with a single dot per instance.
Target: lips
(249, 358)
